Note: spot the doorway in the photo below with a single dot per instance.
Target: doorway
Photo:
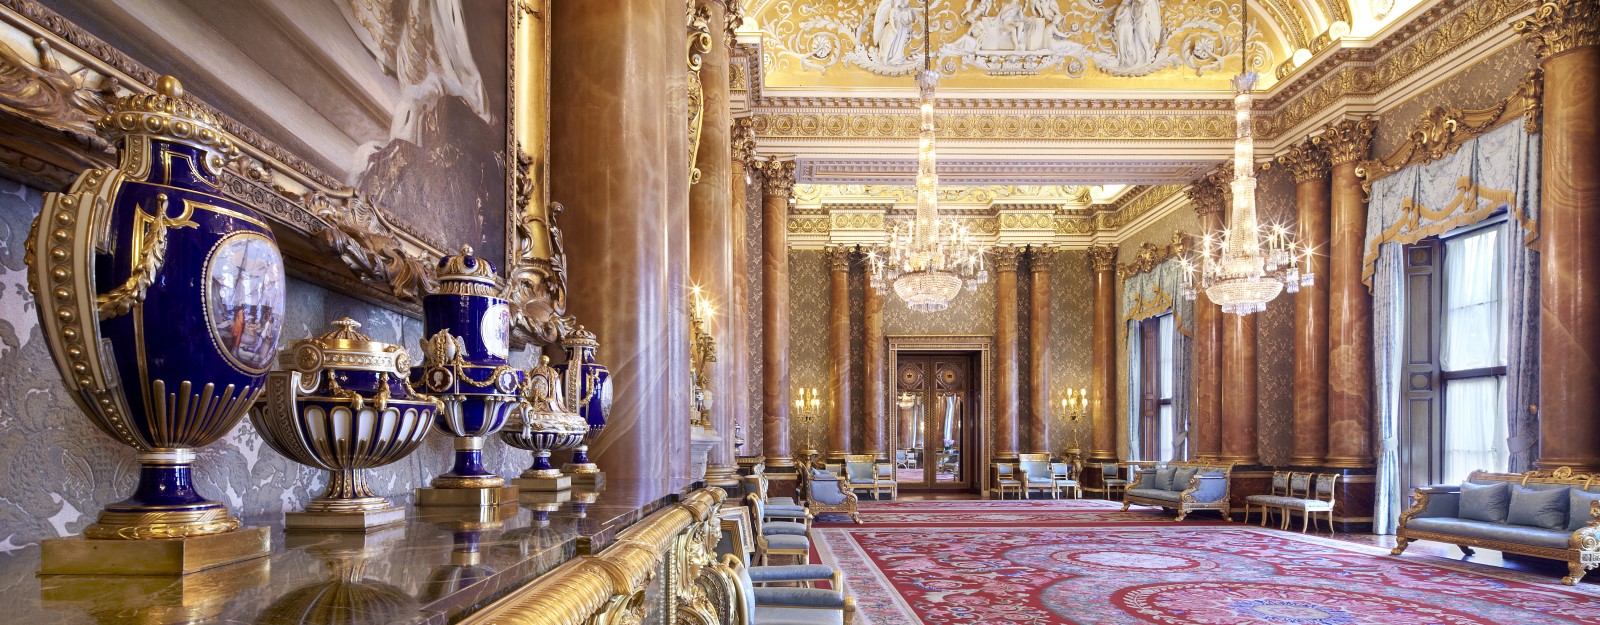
(937, 434)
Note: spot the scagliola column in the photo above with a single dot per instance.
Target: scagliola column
(1239, 413)
(1567, 38)
(872, 376)
(1349, 303)
(1006, 353)
(711, 253)
(1209, 195)
(839, 353)
(778, 184)
(1103, 377)
(1039, 347)
(613, 161)
(1307, 161)
(742, 138)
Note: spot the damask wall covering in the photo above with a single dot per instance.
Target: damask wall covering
(60, 470)
(808, 341)
(1071, 340)
(752, 266)
(1275, 334)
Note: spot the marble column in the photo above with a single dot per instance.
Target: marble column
(872, 376)
(1039, 348)
(1007, 381)
(1307, 161)
(1103, 378)
(712, 256)
(1567, 38)
(1239, 440)
(778, 185)
(743, 145)
(839, 354)
(615, 162)
(1209, 195)
(1349, 303)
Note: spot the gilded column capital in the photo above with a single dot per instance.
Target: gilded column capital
(1347, 141)
(777, 177)
(1041, 255)
(742, 137)
(839, 256)
(732, 19)
(1210, 193)
(1557, 26)
(1103, 257)
(1006, 257)
(1306, 160)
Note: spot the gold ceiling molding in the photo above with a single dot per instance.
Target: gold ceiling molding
(998, 125)
(1132, 206)
(1441, 130)
(806, 194)
(1150, 255)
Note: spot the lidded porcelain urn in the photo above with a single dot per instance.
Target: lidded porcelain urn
(587, 385)
(543, 423)
(162, 301)
(343, 403)
(464, 365)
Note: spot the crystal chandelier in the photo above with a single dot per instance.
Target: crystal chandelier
(1237, 271)
(928, 260)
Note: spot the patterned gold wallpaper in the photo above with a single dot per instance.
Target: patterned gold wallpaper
(60, 470)
(809, 304)
(1483, 84)
(1275, 335)
(752, 265)
(1071, 340)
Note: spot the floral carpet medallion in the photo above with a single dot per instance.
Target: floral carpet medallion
(1123, 574)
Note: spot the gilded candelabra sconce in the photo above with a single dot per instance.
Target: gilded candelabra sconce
(703, 436)
(808, 411)
(1075, 406)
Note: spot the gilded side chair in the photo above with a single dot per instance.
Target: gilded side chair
(1299, 488)
(786, 605)
(1034, 471)
(1007, 478)
(1064, 475)
(770, 544)
(826, 494)
(885, 480)
(1273, 500)
(861, 473)
(779, 508)
(1111, 478)
(1320, 501)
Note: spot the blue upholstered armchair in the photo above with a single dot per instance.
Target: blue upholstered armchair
(778, 542)
(787, 605)
(861, 472)
(827, 495)
(1036, 475)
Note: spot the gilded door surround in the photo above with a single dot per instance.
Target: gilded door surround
(984, 346)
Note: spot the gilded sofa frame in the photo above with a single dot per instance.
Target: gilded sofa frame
(1583, 548)
(1186, 500)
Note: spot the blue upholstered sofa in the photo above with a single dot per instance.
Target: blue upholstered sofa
(1182, 486)
(1546, 514)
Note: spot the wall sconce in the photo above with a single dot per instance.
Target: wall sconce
(1075, 406)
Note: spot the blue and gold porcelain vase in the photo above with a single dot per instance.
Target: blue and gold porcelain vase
(543, 423)
(343, 403)
(465, 366)
(587, 385)
(161, 301)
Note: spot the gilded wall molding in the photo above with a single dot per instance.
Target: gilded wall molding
(1150, 255)
(1558, 26)
(1443, 130)
(996, 125)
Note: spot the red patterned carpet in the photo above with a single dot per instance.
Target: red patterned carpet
(1087, 563)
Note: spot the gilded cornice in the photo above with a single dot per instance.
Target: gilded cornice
(839, 258)
(1557, 26)
(1306, 161)
(1103, 257)
(1347, 140)
(998, 125)
(1132, 206)
(1441, 130)
(809, 225)
(1151, 255)
(1005, 258)
(777, 177)
(1210, 193)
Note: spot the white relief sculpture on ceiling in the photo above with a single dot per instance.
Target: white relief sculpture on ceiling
(1117, 38)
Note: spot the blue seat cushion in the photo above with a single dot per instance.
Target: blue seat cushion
(798, 616)
(783, 527)
(781, 501)
(1163, 479)
(799, 597)
(1491, 531)
(787, 541)
(785, 512)
(791, 573)
(1269, 500)
(1485, 502)
(1151, 493)
(1040, 480)
(1538, 508)
(1578, 514)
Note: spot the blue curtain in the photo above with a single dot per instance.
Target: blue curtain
(1146, 295)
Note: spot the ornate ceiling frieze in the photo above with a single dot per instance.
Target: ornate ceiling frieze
(1007, 125)
(969, 172)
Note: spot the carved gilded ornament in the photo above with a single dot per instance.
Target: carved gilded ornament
(1347, 141)
(742, 139)
(777, 177)
(1150, 255)
(856, 221)
(1210, 193)
(1558, 26)
(699, 43)
(1005, 257)
(1306, 161)
(1026, 221)
(809, 225)
(1041, 257)
(998, 125)
(1103, 257)
(1443, 130)
(839, 258)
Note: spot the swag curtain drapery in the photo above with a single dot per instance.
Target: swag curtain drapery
(1493, 172)
(1145, 295)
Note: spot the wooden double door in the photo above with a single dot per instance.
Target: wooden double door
(937, 441)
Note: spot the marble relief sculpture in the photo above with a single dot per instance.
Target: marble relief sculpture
(1137, 31)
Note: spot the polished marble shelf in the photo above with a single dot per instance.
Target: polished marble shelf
(438, 566)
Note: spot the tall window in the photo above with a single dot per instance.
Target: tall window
(1155, 388)
(1472, 354)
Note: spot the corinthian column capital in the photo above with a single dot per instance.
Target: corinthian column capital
(839, 257)
(1103, 257)
(1557, 26)
(742, 138)
(1306, 160)
(1210, 193)
(1005, 257)
(777, 177)
(1042, 255)
(1347, 141)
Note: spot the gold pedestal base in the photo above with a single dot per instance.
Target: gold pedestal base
(543, 484)
(200, 597)
(357, 521)
(545, 500)
(592, 481)
(478, 497)
(170, 556)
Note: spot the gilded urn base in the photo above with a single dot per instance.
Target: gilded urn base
(172, 556)
(478, 497)
(354, 520)
(591, 480)
(547, 501)
(543, 484)
(202, 597)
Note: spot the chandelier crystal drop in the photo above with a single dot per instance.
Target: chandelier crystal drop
(928, 260)
(1238, 270)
